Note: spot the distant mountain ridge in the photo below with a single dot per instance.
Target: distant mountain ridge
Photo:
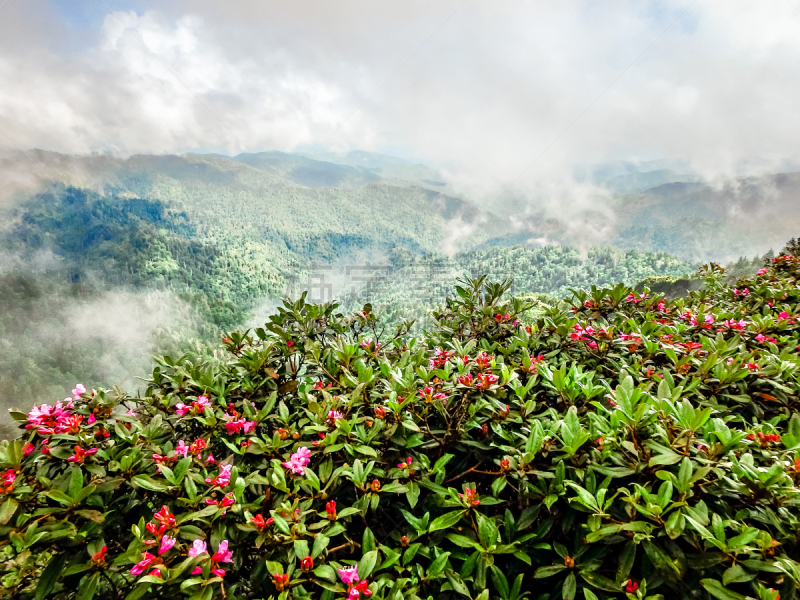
(311, 204)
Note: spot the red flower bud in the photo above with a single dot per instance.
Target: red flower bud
(307, 564)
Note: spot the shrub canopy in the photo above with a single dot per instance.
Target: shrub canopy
(621, 446)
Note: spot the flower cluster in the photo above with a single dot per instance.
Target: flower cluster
(430, 394)
(298, 461)
(197, 407)
(223, 478)
(355, 587)
(440, 358)
(607, 470)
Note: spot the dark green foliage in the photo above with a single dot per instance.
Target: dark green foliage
(223, 256)
(137, 242)
(621, 446)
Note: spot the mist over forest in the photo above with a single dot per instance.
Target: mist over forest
(107, 261)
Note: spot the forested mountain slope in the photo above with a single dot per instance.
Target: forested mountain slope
(176, 249)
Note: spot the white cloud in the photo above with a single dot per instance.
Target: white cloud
(500, 92)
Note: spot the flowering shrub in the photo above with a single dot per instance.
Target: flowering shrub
(623, 446)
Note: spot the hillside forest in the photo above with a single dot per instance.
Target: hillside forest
(136, 257)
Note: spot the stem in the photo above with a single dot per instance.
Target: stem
(351, 545)
(464, 473)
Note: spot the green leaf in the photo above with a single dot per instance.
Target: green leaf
(599, 581)
(543, 572)
(737, 574)
(659, 558)
(320, 543)
(92, 515)
(301, 548)
(139, 591)
(274, 567)
(367, 564)
(367, 541)
(88, 587)
(637, 526)
(437, 566)
(147, 483)
(500, 582)
(412, 493)
(59, 496)
(626, 560)
(281, 523)
(50, 575)
(463, 541)
(394, 487)
(456, 583)
(716, 589)
(325, 572)
(675, 524)
(498, 485)
(446, 520)
(368, 450)
(7, 510)
(75, 481)
(569, 588)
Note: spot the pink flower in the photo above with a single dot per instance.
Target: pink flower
(202, 403)
(198, 547)
(166, 544)
(357, 590)
(237, 425)
(784, 316)
(165, 517)
(298, 461)
(634, 299)
(232, 425)
(81, 454)
(131, 413)
(223, 554)
(762, 272)
(45, 415)
(349, 575)
(742, 292)
(210, 460)
(224, 477)
(78, 391)
(181, 409)
(139, 568)
(334, 416)
(198, 570)
(181, 448)
(218, 572)
(27, 448)
(9, 477)
(91, 419)
(68, 424)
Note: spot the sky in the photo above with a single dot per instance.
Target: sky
(498, 95)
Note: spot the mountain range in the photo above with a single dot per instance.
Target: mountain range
(105, 260)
